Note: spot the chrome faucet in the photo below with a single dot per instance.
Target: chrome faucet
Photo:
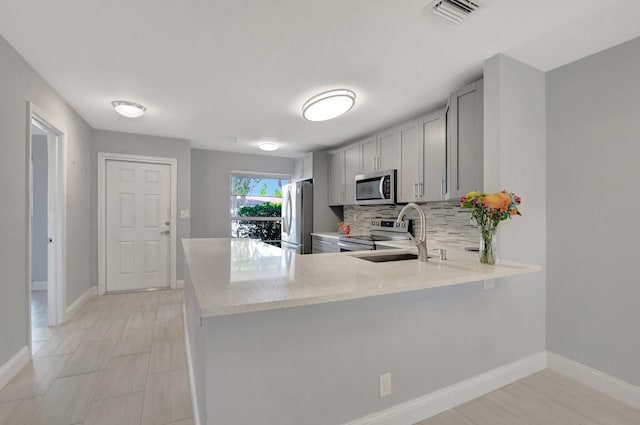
(420, 242)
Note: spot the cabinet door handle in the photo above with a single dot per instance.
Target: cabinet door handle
(378, 163)
(373, 159)
(415, 190)
(421, 187)
(442, 187)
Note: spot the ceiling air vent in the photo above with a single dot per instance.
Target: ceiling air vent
(455, 11)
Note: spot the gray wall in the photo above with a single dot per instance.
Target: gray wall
(593, 114)
(39, 225)
(514, 160)
(210, 186)
(136, 144)
(328, 357)
(18, 84)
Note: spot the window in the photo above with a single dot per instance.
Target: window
(256, 205)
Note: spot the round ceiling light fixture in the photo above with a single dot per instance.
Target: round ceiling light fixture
(328, 105)
(268, 146)
(128, 109)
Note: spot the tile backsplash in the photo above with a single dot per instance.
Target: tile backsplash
(447, 223)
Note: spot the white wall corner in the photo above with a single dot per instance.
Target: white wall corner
(431, 404)
(180, 284)
(14, 365)
(599, 381)
(82, 299)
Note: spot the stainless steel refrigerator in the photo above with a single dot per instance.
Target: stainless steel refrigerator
(297, 216)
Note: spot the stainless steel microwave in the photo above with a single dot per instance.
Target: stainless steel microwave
(376, 188)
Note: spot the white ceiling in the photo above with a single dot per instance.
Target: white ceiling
(218, 71)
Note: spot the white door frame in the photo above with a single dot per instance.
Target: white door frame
(103, 157)
(57, 211)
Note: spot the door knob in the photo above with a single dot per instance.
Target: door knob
(165, 232)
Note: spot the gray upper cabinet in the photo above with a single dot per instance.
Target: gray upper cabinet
(410, 161)
(434, 142)
(387, 149)
(352, 169)
(379, 152)
(422, 173)
(438, 156)
(336, 178)
(369, 155)
(344, 166)
(466, 139)
(303, 167)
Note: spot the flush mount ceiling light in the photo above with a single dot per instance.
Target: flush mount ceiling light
(268, 146)
(328, 105)
(128, 109)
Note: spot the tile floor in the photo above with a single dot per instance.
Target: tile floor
(544, 398)
(119, 361)
(39, 309)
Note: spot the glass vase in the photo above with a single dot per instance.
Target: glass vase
(487, 246)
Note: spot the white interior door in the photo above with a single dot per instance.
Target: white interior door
(138, 214)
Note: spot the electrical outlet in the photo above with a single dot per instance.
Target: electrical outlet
(385, 384)
(489, 284)
(185, 214)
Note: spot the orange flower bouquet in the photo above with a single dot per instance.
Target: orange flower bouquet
(488, 210)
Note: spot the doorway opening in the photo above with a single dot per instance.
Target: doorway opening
(46, 227)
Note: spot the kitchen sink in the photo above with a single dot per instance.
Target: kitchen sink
(386, 257)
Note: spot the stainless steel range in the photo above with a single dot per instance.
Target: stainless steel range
(382, 229)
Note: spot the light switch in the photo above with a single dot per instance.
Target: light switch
(185, 214)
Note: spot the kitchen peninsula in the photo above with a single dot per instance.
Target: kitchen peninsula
(276, 337)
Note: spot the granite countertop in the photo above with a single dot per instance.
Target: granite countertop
(331, 235)
(232, 276)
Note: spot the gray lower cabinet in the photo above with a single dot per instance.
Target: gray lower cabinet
(466, 139)
(322, 245)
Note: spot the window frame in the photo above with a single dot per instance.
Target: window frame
(252, 174)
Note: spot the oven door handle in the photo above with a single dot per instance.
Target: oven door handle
(381, 188)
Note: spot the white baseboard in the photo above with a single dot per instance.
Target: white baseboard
(179, 284)
(192, 381)
(39, 285)
(14, 365)
(82, 299)
(431, 404)
(595, 379)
